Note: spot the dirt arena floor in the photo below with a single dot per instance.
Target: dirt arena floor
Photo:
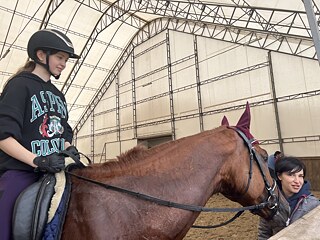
(244, 227)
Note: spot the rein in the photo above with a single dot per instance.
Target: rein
(159, 201)
(194, 208)
(188, 207)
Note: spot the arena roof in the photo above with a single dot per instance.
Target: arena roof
(105, 32)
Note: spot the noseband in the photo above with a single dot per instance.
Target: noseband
(272, 200)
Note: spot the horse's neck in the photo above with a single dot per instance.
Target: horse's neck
(187, 169)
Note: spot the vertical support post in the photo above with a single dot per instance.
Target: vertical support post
(275, 102)
(196, 60)
(118, 110)
(92, 136)
(313, 26)
(104, 153)
(134, 102)
(173, 125)
(75, 137)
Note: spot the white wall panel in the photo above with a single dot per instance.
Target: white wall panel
(155, 40)
(126, 134)
(152, 84)
(219, 57)
(99, 143)
(298, 118)
(125, 95)
(302, 149)
(109, 98)
(294, 74)
(126, 116)
(86, 128)
(263, 122)
(153, 57)
(154, 130)
(181, 45)
(128, 144)
(85, 94)
(83, 141)
(84, 146)
(105, 122)
(214, 121)
(153, 109)
(111, 92)
(125, 74)
(113, 149)
(186, 102)
(112, 137)
(106, 103)
(187, 127)
(230, 90)
(184, 74)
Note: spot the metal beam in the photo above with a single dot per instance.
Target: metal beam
(313, 26)
(275, 103)
(170, 92)
(117, 11)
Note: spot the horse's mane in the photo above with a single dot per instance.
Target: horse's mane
(124, 160)
(138, 153)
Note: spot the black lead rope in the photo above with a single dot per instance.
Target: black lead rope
(238, 214)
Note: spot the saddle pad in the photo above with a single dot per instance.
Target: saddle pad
(53, 229)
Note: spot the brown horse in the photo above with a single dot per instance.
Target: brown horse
(187, 171)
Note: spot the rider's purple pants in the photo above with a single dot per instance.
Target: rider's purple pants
(12, 183)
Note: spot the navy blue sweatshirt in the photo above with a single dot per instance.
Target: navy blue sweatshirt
(34, 112)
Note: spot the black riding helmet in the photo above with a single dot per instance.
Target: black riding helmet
(50, 41)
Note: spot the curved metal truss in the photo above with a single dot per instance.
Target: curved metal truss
(277, 30)
(245, 37)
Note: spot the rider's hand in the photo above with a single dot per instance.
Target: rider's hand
(73, 151)
(52, 163)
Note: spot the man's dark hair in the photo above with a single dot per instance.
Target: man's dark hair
(276, 153)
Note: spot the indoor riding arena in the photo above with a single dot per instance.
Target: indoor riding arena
(160, 73)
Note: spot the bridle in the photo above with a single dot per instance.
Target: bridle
(272, 201)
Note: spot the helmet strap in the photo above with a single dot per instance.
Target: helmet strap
(46, 65)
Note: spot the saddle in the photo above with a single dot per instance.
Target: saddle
(34, 209)
(31, 209)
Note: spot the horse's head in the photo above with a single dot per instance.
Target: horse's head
(254, 184)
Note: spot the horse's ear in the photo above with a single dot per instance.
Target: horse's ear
(244, 121)
(224, 121)
(244, 124)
